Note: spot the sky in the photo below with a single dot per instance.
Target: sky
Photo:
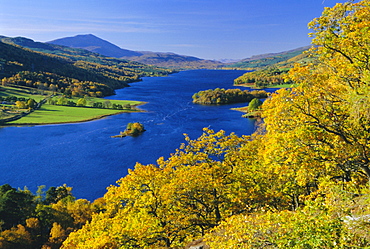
(207, 29)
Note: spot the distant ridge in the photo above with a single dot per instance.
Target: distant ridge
(170, 60)
(269, 59)
(263, 56)
(95, 44)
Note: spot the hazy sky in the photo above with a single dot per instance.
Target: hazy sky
(208, 29)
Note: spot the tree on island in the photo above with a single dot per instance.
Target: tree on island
(132, 129)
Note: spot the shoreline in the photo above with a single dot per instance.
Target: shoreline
(57, 123)
(77, 121)
(247, 114)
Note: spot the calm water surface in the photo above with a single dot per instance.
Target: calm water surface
(84, 155)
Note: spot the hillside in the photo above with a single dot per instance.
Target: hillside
(128, 68)
(270, 70)
(169, 60)
(70, 68)
(286, 58)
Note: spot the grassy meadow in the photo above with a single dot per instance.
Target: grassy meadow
(23, 92)
(55, 114)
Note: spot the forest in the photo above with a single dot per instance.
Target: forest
(300, 181)
(220, 96)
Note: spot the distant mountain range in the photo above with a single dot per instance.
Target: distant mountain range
(170, 60)
(77, 44)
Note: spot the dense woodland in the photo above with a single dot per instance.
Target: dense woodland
(45, 81)
(221, 96)
(300, 181)
(41, 220)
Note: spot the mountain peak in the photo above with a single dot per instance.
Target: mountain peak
(94, 44)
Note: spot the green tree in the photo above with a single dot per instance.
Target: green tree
(55, 194)
(81, 102)
(31, 103)
(107, 104)
(254, 104)
(62, 101)
(15, 206)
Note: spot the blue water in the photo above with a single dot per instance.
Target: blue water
(84, 155)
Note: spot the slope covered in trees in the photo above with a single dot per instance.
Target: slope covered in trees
(68, 65)
(271, 71)
(82, 55)
(268, 77)
(265, 60)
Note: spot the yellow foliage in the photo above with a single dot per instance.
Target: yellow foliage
(289, 185)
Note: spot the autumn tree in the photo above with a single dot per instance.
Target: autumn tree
(320, 128)
(134, 129)
(21, 104)
(315, 144)
(343, 47)
(170, 203)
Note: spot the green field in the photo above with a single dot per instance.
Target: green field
(23, 92)
(55, 114)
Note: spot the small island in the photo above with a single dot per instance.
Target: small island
(221, 96)
(132, 129)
